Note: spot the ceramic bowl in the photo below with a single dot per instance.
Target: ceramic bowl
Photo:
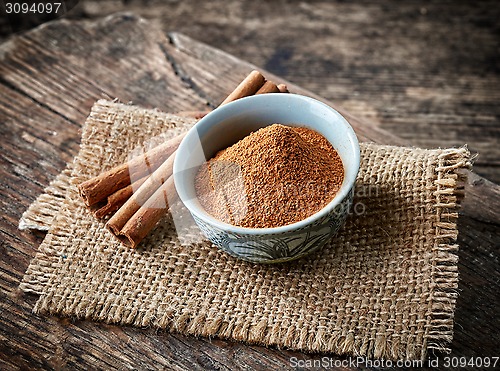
(231, 122)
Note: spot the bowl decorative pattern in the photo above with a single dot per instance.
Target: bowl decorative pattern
(280, 247)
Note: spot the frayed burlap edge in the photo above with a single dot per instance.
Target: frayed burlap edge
(447, 190)
(451, 176)
(450, 179)
(42, 212)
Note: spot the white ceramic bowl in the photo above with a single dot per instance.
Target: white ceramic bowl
(232, 122)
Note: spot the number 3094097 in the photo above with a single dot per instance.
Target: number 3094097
(24, 8)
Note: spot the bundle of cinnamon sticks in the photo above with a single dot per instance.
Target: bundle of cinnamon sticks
(136, 194)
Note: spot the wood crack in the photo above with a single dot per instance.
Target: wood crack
(41, 104)
(184, 77)
(215, 363)
(483, 221)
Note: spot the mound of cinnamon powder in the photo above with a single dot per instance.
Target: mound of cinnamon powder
(275, 176)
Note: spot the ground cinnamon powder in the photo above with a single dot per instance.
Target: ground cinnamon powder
(275, 176)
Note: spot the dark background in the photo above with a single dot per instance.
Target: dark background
(426, 71)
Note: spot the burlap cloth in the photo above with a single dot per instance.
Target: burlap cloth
(385, 286)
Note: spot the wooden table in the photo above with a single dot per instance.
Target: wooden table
(49, 79)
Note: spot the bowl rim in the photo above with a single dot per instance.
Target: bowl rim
(231, 107)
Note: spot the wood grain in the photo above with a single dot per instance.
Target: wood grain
(425, 71)
(49, 78)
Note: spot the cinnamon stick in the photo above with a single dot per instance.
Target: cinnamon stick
(283, 88)
(268, 87)
(97, 189)
(140, 197)
(248, 86)
(192, 114)
(117, 199)
(145, 219)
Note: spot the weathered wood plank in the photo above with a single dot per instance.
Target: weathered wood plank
(427, 72)
(48, 80)
(197, 56)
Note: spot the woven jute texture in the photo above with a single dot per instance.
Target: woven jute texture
(385, 286)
